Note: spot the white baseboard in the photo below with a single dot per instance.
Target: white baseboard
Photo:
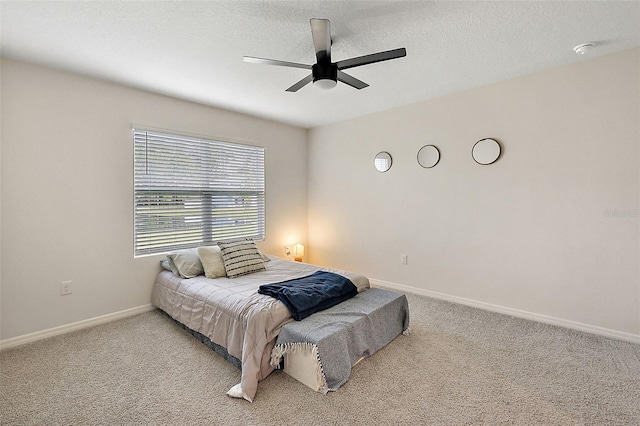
(39, 335)
(601, 331)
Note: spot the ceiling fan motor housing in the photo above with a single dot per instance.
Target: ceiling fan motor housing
(324, 71)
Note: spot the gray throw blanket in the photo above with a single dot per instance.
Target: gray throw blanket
(341, 335)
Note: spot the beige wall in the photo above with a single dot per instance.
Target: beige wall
(551, 229)
(67, 174)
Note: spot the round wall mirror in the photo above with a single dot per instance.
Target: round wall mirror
(428, 156)
(486, 151)
(383, 161)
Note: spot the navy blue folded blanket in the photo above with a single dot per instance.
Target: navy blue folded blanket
(308, 295)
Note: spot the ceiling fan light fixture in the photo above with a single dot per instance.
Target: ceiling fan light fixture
(325, 83)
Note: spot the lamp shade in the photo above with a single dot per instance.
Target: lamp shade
(298, 252)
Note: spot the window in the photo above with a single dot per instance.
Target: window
(190, 192)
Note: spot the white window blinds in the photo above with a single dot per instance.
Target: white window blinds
(190, 192)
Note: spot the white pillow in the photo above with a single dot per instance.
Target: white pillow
(212, 262)
(241, 258)
(264, 256)
(186, 263)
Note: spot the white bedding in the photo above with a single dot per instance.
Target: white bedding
(233, 315)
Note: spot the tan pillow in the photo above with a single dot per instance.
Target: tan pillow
(241, 258)
(211, 258)
(186, 263)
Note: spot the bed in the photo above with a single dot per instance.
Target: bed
(230, 312)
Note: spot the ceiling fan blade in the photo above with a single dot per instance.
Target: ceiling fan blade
(253, 60)
(301, 83)
(351, 81)
(370, 59)
(321, 33)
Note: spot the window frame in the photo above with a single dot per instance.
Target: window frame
(187, 204)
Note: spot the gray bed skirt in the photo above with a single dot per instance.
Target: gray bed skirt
(204, 339)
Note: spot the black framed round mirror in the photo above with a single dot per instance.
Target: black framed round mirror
(428, 156)
(486, 151)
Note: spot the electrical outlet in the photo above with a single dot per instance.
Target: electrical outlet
(403, 259)
(287, 251)
(65, 288)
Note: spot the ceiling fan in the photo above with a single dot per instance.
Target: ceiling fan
(325, 73)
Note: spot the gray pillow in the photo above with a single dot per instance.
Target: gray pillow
(165, 265)
(241, 258)
(185, 263)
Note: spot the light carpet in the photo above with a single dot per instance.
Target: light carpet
(460, 365)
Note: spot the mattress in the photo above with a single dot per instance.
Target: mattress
(233, 315)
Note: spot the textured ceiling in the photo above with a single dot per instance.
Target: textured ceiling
(193, 50)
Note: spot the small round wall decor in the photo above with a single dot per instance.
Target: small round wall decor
(428, 156)
(382, 161)
(486, 151)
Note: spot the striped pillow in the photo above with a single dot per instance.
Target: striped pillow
(241, 258)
